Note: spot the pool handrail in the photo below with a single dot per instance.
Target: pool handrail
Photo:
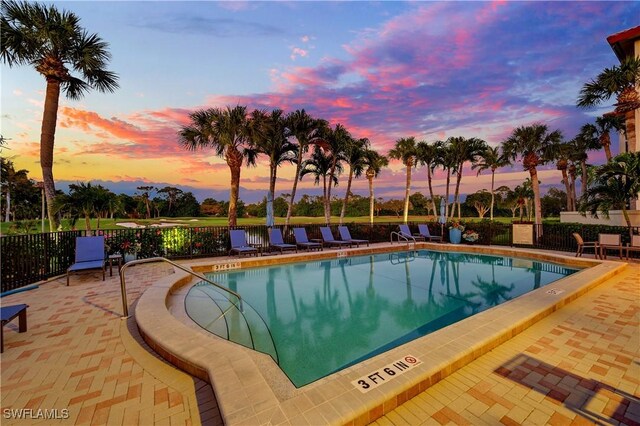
(401, 235)
(123, 286)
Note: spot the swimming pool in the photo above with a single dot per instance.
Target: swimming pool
(318, 317)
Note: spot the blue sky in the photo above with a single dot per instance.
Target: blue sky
(385, 70)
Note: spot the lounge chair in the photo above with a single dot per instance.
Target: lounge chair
(239, 244)
(89, 255)
(277, 242)
(423, 230)
(7, 314)
(406, 232)
(303, 242)
(634, 246)
(327, 238)
(583, 245)
(346, 236)
(612, 241)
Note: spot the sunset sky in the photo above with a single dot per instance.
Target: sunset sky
(384, 70)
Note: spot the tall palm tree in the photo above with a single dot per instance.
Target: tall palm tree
(530, 143)
(336, 140)
(463, 150)
(375, 162)
(319, 166)
(269, 135)
(447, 159)
(617, 183)
(561, 153)
(55, 44)
(355, 156)
(81, 202)
(428, 154)
(307, 131)
(584, 142)
(491, 159)
(406, 151)
(601, 129)
(227, 132)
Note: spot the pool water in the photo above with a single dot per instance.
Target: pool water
(318, 317)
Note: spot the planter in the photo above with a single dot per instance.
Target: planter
(455, 235)
(128, 257)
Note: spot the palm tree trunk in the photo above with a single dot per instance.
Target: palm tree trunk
(607, 149)
(273, 170)
(583, 185)
(325, 198)
(234, 161)
(446, 197)
(331, 174)
(87, 222)
(293, 190)
(406, 193)
(567, 186)
(346, 196)
(493, 179)
(537, 207)
(456, 198)
(371, 201)
(433, 201)
(7, 214)
(47, 139)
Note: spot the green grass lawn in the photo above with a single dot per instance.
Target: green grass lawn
(5, 227)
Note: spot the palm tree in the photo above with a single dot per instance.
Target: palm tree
(464, 150)
(620, 81)
(617, 182)
(172, 194)
(405, 150)
(491, 159)
(336, 140)
(270, 137)
(81, 202)
(561, 152)
(54, 43)
(355, 156)
(584, 142)
(601, 129)
(531, 144)
(428, 155)
(447, 159)
(227, 132)
(375, 162)
(306, 130)
(319, 165)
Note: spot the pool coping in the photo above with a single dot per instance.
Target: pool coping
(250, 391)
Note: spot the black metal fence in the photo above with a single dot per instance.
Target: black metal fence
(26, 259)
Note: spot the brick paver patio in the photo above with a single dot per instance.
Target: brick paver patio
(579, 365)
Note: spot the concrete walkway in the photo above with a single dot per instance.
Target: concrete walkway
(84, 365)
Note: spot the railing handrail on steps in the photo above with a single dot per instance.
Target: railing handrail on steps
(123, 286)
(400, 235)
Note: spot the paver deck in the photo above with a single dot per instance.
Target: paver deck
(580, 364)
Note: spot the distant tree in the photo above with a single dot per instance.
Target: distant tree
(479, 202)
(186, 205)
(171, 194)
(336, 141)
(144, 195)
(418, 203)
(10, 178)
(319, 166)
(561, 152)
(81, 202)
(212, 207)
(54, 43)
(395, 206)
(553, 202)
(356, 158)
